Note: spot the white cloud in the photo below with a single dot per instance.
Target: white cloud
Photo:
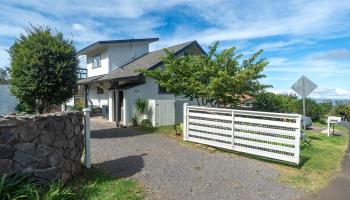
(308, 65)
(234, 22)
(237, 21)
(78, 27)
(327, 93)
(335, 54)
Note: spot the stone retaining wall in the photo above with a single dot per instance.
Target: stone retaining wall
(49, 146)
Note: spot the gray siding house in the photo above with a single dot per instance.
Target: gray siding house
(113, 81)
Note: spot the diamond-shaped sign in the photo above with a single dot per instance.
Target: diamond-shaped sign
(304, 86)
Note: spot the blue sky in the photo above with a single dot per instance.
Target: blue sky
(299, 37)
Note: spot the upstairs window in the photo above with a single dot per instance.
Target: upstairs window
(100, 90)
(96, 61)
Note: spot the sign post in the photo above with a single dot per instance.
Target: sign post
(304, 87)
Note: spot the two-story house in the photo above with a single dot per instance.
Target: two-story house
(113, 82)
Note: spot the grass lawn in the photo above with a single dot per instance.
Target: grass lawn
(92, 184)
(95, 185)
(319, 160)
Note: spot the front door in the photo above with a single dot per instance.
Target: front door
(120, 118)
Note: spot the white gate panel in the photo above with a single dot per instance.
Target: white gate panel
(272, 135)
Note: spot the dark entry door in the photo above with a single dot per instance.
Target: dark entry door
(120, 106)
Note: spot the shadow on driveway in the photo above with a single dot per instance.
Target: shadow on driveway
(115, 133)
(123, 167)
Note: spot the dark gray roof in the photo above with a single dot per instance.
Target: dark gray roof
(106, 42)
(147, 61)
(89, 79)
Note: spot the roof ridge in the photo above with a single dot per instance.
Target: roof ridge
(189, 42)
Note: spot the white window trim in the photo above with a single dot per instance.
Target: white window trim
(93, 61)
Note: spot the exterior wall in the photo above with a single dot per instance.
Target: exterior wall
(97, 100)
(114, 56)
(111, 107)
(121, 54)
(104, 69)
(163, 109)
(8, 102)
(149, 91)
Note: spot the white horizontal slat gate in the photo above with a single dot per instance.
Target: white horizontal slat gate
(272, 135)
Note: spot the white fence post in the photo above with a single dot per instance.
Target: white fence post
(87, 137)
(233, 129)
(185, 132)
(297, 140)
(328, 126)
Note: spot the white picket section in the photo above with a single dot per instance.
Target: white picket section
(271, 135)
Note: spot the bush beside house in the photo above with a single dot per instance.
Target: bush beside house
(43, 69)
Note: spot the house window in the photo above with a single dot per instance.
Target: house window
(96, 61)
(162, 90)
(100, 90)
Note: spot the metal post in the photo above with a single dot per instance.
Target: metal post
(87, 137)
(304, 123)
(328, 126)
(86, 91)
(304, 114)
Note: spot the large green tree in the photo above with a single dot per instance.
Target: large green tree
(219, 78)
(43, 68)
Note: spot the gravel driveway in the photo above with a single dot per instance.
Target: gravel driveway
(170, 170)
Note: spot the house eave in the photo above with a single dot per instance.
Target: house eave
(99, 44)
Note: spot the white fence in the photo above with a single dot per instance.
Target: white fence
(272, 135)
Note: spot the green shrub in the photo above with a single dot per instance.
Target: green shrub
(141, 105)
(342, 110)
(134, 121)
(283, 103)
(23, 107)
(146, 123)
(18, 186)
(271, 102)
(78, 107)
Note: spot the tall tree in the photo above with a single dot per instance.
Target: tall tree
(219, 78)
(43, 68)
